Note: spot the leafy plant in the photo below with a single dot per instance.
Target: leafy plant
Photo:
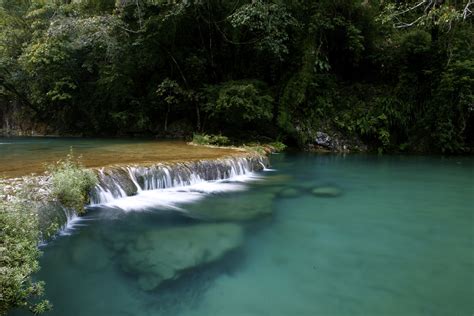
(278, 146)
(205, 139)
(19, 236)
(71, 183)
(239, 102)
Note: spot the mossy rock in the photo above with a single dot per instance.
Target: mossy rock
(160, 255)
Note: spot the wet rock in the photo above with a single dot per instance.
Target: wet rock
(333, 142)
(159, 255)
(234, 208)
(116, 179)
(323, 139)
(326, 191)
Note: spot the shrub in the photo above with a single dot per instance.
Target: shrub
(71, 183)
(19, 235)
(278, 146)
(216, 140)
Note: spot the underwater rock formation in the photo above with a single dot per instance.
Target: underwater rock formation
(243, 207)
(326, 191)
(159, 255)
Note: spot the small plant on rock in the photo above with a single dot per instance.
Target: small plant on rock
(216, 140)
(71, 183)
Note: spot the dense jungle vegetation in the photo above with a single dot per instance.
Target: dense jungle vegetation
(398, 75)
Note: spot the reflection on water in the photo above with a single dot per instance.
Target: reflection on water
(23, 155)
(397, 239)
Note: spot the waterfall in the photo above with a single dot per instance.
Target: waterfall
(121, 182)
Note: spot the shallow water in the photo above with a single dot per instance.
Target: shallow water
(397, 241)
(20, 156)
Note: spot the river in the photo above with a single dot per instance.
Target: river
(380, 235)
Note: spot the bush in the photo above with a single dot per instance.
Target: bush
(278, 146)
(19, 235)
(71, 183)
(216, 140)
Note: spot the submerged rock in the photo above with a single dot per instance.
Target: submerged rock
(277, 180)
(326, 191)
(243, 207)
(160, 255)
(290, 193)
(89, 255)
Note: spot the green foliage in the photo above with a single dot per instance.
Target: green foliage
(71, 183)
(205, 139)
(239, 102)
(394, 74)
(278, 146)
(19, 236)
(268, 21)
(413, 13)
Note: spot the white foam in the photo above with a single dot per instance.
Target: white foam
(174, 198)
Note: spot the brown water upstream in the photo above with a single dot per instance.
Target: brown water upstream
(21, 156)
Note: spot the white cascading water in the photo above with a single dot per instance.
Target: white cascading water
(165, 186)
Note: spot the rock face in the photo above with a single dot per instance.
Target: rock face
(159, 255)
(323, 139)
(327, 139)
(334, 143)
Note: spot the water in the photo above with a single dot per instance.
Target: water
(397, 241)
(21, 156)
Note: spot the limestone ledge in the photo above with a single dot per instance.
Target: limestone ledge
(38, 186)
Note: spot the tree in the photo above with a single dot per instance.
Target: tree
(427, 12)
(238, 103)
(170, 95)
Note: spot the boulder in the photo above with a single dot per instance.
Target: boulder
(159, 255)
(324, 140)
